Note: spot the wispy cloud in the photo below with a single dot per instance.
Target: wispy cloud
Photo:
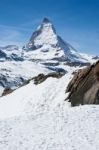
(12, 35)
(17, 34)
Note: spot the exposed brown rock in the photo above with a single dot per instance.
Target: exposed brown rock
(41, 77)
(84, 87)
(7, 91)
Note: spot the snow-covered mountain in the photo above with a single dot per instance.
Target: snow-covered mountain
(45, 43)
(36, 116)
(46, 51)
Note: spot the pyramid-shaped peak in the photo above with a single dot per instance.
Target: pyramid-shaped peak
(50, 45)
(46, 20)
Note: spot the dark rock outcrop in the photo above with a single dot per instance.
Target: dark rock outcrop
(84, 87)
(7, 91)
(2, 54)
(41, 77)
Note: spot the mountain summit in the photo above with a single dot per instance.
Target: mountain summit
(45, 34)
(45, 43)
(46, 20)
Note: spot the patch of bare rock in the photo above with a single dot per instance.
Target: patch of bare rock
(84, 87)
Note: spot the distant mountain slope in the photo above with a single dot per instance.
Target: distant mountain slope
(10, 52)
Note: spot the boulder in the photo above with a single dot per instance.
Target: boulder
(84, 87)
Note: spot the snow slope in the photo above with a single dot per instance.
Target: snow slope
(72, 129)
(26, 99)
(36, 117)
(91, 58)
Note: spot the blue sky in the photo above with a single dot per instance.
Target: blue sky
(77, 21)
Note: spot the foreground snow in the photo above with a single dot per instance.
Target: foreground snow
(72, 129)
(36, 117)
(34, 98)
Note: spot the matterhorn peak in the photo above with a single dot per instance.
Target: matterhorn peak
(48, 44)
(46, 23)
(45, 34)
(46, 20)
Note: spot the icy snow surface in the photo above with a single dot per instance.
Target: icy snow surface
(36, 117)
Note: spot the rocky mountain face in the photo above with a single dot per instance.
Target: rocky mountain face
(45, 43)
(84, 87)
